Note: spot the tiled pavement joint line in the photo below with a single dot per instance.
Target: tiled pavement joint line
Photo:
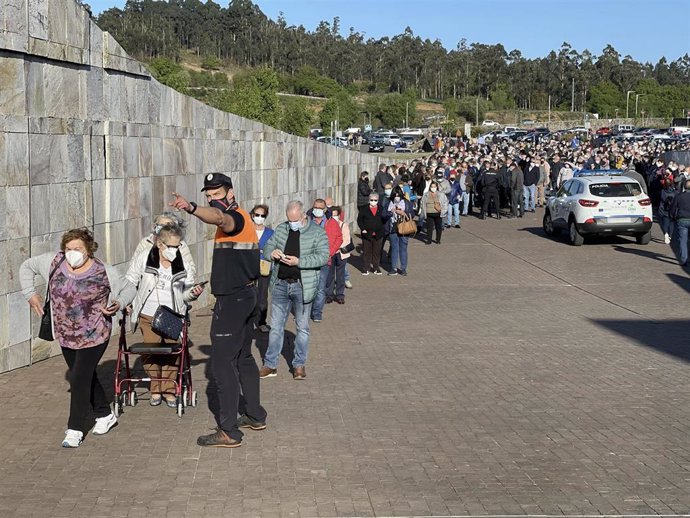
(551, 274)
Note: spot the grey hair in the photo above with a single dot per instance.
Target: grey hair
(171, 230)
(295, 204)
(172, 216)
(374, 195)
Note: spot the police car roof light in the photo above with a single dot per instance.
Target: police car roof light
(599, 172)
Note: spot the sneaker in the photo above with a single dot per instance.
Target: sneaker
(171, 402)
(267, 372)
(155, 400)
(329, 300)
(247, 422)
(348, 285)
(72, 439)
(366, 273)
(393, 272)
(403, 273)
(340, 300)
(104, 424)
(378, 271)
(299, 373)
(218, 439)
(667, 239)
(316, 320)
(457, 226)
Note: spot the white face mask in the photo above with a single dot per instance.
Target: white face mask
(388, 191)
(295, 225)
(373, 203)
(335, 217)
(318, 213)
(75, 258)
(259, 220)
(169, 253)
(433, 189)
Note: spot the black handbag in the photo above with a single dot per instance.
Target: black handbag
(347, 248)
(167, 323)
(45, 332)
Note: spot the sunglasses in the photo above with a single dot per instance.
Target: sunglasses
(260, 215)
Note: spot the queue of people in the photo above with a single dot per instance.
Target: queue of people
(300, 265)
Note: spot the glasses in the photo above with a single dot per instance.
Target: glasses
(170, 246)
(260, 215)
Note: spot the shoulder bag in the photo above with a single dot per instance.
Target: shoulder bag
(406, 226)
(167, 323)
(45, 332)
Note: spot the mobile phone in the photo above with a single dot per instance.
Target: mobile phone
(201, 284)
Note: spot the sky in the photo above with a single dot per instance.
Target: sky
(644, 29)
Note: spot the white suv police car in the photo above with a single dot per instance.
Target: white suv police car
(599, 202)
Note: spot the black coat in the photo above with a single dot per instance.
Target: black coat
(373, 225)
(363, 192)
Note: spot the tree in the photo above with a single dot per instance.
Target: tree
(296, 117)
(342, 108)
(170, 73)
(606, 98)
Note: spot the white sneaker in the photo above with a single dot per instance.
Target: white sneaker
(348, 285)
(72, 439)
(667, 239)
(104, 424)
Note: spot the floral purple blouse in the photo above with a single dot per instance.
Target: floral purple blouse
(76, 301)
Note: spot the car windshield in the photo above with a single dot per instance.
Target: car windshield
(614, 190)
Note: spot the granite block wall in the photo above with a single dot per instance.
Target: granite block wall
(89, 138)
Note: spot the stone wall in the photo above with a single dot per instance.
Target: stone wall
(88, 138)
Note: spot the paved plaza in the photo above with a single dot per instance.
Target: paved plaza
(508, 374)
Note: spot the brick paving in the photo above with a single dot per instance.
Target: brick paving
(508, 374)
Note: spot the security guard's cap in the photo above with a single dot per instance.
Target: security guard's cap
(215, 180)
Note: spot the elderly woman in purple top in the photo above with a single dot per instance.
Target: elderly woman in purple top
(84, 295)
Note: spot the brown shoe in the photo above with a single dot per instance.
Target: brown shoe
(299, 373)
(267, 372)
(218, 439)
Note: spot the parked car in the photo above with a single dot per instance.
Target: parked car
(489, 122)
(377, 144)
(599, 202)
(603, 131)
(527, 122)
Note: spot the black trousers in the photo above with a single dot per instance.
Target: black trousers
(434, 221)
(335, 283)
(232, 363)
(488, 196)
(371, 251)
(85, 389)
(517, 203)
(263, 299)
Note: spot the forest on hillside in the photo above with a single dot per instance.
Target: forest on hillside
(323, 62)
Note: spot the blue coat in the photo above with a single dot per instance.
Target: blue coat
(268, 232)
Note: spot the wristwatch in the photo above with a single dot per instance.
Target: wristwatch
(194, 206)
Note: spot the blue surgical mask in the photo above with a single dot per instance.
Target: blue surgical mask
(388, 192)
(295, 225)
(318, 213)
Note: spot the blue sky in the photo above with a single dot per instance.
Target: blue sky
(645, 29)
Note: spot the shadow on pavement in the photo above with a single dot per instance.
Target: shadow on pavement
(645, 253)
(669, 336)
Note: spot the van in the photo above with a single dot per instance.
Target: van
(680, 125)
(623, 128)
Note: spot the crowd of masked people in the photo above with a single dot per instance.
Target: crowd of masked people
(300, 263)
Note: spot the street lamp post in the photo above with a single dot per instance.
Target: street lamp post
(627, 102)
(407, 115)
(637, 98)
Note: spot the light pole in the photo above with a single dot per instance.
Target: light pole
(637, 98)
(627, 102)
(407, 115)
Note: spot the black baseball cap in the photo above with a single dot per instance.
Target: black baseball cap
(215, 180)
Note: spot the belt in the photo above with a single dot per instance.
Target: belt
(289, 281)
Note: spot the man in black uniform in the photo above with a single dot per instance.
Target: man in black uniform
(489, 181)
(234, 273)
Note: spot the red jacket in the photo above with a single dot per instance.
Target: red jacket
(335, 237)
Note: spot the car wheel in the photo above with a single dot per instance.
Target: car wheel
(547, 223)
(576, 239)
(643, 239)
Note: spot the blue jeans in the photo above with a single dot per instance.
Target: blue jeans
(284, 299)
(465, 202)
(530, 193)
(320, 299)
(683, 225)
(453, 209)
(666, 224)
(399, 251)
